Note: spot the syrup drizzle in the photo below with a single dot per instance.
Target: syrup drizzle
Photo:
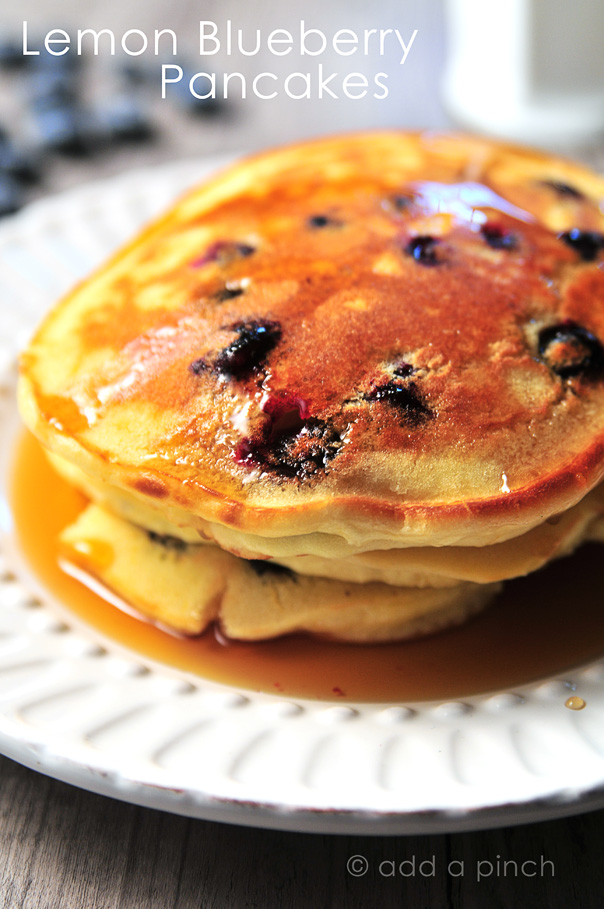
(541, 625)
(464, 201)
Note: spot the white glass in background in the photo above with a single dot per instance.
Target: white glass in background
(527, 70)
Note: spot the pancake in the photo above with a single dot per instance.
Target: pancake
(365, 342)
(345, 387)
(185, 587)
(424, 566)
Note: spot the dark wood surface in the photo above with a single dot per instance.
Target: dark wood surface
(64, 848)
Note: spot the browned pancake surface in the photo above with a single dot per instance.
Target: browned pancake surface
(367, 328)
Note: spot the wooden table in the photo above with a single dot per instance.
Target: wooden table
(63, 848)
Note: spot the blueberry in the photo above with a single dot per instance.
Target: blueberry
(11, 55)
(227, 293)
(68, 130)
(563, 189)
(247, 353)
(167, 541)
(67, 62)
(424, 250)
(10, 195)
(244, 250)
(180, 93)
(400, 202)
(22, 164)
(224, 252)
(570, 350)
(136, 74)
(124, 120)
(405, 398)
(316, 222)
(204, 107)
(308, 451)
(498, 237)
(298, 452)
(285, 409)
(265, 566)
(587, 243)
(51, 87)
(198, 366)
(404, 370)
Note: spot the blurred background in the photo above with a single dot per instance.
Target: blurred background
(526, 70)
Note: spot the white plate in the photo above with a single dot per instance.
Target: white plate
(85, 710)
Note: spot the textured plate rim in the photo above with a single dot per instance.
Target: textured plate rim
(499, 723)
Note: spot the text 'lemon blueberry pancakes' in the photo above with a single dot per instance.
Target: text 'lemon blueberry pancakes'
(346, 387)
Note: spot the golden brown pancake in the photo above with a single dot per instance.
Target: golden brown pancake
(376, 359)
(370, 341)
(423, 566)
(185, 587)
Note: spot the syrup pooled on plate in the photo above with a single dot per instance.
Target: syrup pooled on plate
(540, 625)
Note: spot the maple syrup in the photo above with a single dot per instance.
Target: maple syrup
(540, 625)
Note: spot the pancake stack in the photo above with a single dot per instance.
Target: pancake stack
(346, 387)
